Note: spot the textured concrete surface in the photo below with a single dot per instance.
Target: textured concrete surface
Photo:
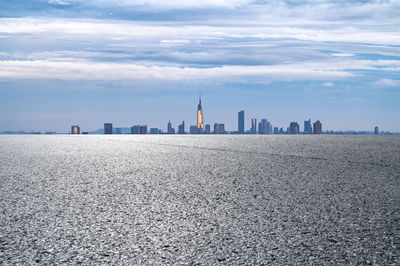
(200, 199)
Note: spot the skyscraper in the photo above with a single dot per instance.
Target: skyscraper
(207, 129)
(200, 122)
(216, 128)
(376, 131)
(264, 127)
(143, 130)
(135, 129)
(139, 129)
(194, 130)
(241, 122)
(269, 128)
(108, 128)
(170, 129)
(307, 127)
(317, 127)
(294, 128)
(219, 128)
(181, 128)
(75, 130)
(253, 126)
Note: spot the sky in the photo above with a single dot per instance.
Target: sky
(129, 62)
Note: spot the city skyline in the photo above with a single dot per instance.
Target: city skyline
(263, 127)
(86, 62)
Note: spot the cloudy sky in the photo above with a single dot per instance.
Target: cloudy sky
(129, 62)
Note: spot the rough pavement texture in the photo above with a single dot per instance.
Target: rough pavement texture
(200, 199)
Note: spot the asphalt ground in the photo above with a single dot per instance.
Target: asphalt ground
(125, 199)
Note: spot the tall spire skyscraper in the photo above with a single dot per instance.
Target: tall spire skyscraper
(200, 122)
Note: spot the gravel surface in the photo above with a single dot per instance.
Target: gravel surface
(199, 199)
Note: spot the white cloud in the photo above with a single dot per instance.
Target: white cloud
(173, 31)
(58, 2)
(330, 10)
(285, 40)
(343, 55)
(387, 82)
(172, 4)
(78, 69)
(82, 70)
(175, 41)
(327, 84)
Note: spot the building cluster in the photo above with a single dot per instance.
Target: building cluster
(200, 128)
(263, 127)
(138, 129)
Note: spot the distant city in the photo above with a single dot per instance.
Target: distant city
(262, 127)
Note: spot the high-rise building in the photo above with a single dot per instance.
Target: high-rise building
(181, 128)
(241, 122)
(170, 129)
(269, 128)
(219, 128)
(135, 129)
(143, 130)
(317, 127)
(281, 131)
(376, 131)
(108, 128)
(207, 129)
(294, 128)
(75, 130)
(194, 130)
(264, 127)
(276, 130)
(253, 129)
(200, 113)
(138, 129)
(153, 130)
(308, 127)
(216, 128)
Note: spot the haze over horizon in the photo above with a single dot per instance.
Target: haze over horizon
(65, 62)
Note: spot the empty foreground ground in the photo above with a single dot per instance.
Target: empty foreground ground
(199, 199)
